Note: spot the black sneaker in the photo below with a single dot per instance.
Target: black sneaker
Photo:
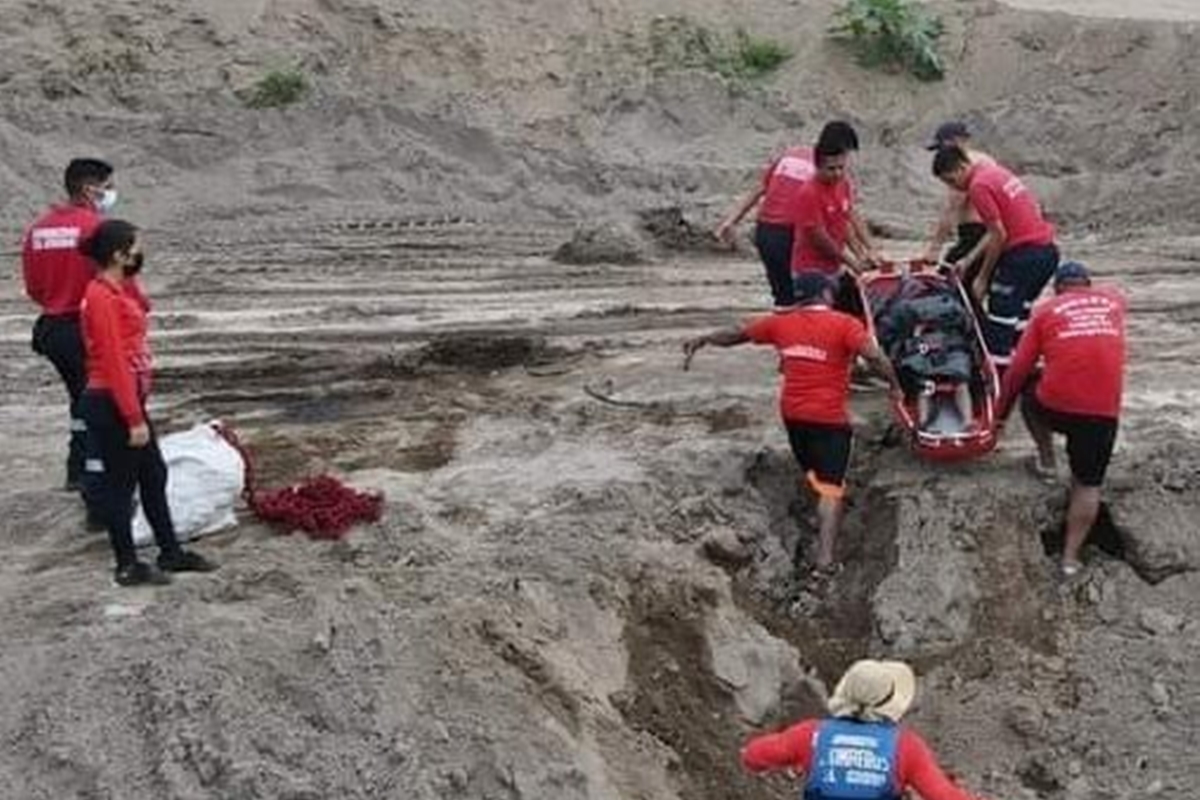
(185, 561)
(139, 574)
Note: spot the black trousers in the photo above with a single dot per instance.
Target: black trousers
(774, 244)
(1019, 277)
(57, 338)
(126, 469)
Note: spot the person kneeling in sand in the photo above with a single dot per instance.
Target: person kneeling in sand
(860, 751)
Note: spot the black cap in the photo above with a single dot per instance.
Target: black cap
(948, 132)
(809, 285)
(1071, 272)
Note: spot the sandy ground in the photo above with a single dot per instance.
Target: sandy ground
(541, 600)
(583, 583)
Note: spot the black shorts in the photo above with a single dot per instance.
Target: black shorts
(823, 452)
(774, 244)
(1090, 440)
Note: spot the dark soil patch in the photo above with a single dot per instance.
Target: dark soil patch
(831, 625)
(674, 695)
(485, 353)
(672, 230)
(601, 245)
(1104, 536)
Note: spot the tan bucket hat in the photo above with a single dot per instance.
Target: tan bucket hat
(874, 690)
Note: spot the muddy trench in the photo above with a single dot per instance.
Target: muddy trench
(1014, 614)
(908, 528)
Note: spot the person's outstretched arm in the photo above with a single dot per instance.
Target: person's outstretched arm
(724, 231)
(952, 210)
(861, 241)
(789, 749)
(919, 770)
(1029, 350)
(873, 354)
(991, 246)
(726, 337)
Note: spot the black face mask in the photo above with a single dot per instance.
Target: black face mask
(134, 266)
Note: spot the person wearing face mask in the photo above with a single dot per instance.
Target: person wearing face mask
(121, 437)
(56, 273)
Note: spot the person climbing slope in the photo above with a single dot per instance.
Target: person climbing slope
(860, 751)
(1079, 337)
(817, 346)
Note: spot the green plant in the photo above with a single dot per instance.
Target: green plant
(278, 88)
(757, 57)
(892, 34)
(680, 43)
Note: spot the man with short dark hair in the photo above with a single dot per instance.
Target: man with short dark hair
(957, 215)
(1018, 250)
(1080, 337)
(817, 346)
(782, 179)
(823, 216)
(56, 275)
(829, 233)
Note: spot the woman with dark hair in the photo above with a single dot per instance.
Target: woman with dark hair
(121, 439)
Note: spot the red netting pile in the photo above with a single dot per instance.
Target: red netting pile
(323, 507)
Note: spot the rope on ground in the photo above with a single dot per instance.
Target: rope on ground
(323, 507)
(664, 407)
(605, 396)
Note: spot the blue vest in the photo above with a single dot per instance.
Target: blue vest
(853, 760)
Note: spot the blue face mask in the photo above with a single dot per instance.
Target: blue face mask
(106, 201)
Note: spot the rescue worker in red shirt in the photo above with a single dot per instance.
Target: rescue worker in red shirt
(120, 436)
(1079, 336)
(825, 225)
(56, 274)
(1018, 250)
(860, 751)
(781, 181)
(817, 346)
(958, 216)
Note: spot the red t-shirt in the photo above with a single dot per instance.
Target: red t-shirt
(827, 206)
(997, 195)
(782, 181)
(916, 766)
(818, 346)
(1080, 336)
(56, 272)
(114, 338)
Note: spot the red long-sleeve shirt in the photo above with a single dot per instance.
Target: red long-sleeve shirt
(114, 337)
(1080, 337)
(916, 767)
(56, 272)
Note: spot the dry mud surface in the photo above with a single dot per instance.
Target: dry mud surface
(582, 586)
